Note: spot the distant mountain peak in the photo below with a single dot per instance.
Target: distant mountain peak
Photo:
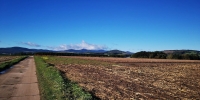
(83, 51)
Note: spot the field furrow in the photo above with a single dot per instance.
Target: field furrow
(116, 78)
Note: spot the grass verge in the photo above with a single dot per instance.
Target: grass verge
(8, 64)
(55, 87)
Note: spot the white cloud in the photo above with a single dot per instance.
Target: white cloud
(82, 45)
(31, 44)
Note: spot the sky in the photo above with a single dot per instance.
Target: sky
(128, 25)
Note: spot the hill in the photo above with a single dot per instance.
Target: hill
(169, 54)
(17, 50)
(111, 52)
(82, 51)
(181, 52)
(14, 50)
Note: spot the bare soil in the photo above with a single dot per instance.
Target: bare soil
(129, 78)
(20, 82)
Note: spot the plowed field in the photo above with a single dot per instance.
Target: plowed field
(128, 78)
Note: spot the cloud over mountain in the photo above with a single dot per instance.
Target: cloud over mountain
(82, 45)
(31, 44)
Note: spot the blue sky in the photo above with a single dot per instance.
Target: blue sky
(129, 25)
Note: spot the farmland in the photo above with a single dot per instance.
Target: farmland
(7, 58)
(8, 61)
(53, 86)
(129, 78)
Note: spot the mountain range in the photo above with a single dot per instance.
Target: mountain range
(83, 51)
(14, 50)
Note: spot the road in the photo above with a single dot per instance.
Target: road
(20, 82)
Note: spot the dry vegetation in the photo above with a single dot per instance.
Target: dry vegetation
(7, 61)
(127, 78)
(7, 58)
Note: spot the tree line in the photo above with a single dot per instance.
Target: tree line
(162, 55)
(71, 54)
(82, 54)
(141, 54)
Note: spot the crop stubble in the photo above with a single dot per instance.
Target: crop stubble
(127, 78)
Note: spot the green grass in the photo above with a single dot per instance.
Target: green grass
(7, 64)
(55, 87)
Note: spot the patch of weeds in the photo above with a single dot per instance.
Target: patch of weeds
(8, 64)
(53, 86)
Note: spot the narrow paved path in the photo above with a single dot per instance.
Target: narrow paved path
(20, 82)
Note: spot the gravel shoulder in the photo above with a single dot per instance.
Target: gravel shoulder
(20, 82)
